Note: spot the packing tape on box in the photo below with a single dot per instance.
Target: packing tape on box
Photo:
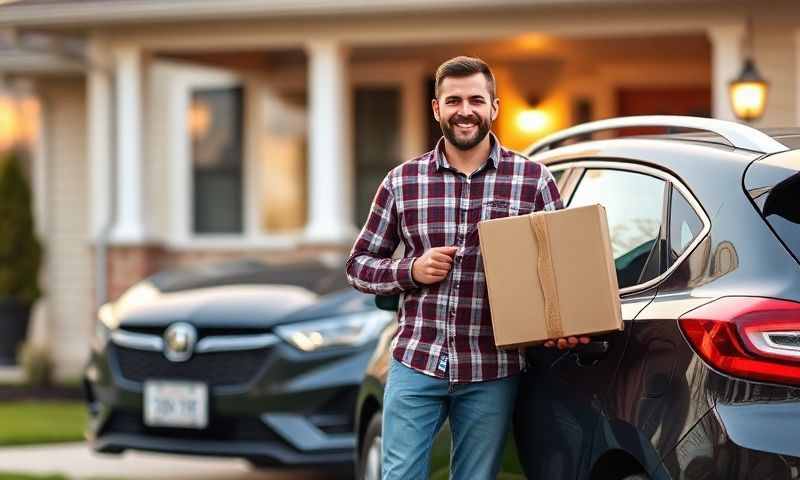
(547, 277)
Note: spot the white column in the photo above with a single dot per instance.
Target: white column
(98, 141)
(330, 193)
(129, 227)
(726, 61)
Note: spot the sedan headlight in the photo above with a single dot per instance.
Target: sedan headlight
(346, 331)
(103, 327)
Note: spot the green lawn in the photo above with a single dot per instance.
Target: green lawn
(31, 422)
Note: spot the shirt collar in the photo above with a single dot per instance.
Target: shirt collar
(495, 154)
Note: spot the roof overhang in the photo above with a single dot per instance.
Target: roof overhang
(85, 13)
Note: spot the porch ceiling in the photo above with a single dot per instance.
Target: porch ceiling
(528, 49)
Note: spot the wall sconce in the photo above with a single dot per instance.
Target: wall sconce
(533, 119)
(748, 91)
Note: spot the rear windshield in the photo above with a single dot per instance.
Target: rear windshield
(774, 185)
(782, 210)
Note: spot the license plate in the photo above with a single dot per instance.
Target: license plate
(175, 404)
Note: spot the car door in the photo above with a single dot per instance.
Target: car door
(563, 394)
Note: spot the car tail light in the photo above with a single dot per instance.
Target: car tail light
(749, 337)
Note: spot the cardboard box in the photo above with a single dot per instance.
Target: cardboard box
(550, 275)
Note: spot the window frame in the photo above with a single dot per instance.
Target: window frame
(579, 166)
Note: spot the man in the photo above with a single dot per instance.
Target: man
(445, 364)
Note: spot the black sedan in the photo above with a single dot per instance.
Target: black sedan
(704, 381)
(239, 359)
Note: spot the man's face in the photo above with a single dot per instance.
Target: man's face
(465, 110)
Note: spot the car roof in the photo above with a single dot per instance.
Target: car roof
(706, 131)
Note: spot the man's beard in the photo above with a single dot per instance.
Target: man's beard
(448, 129)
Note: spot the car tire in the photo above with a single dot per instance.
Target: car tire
(369, 460)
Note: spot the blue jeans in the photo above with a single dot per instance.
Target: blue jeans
(416, 405)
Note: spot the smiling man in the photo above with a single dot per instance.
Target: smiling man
(445, 364)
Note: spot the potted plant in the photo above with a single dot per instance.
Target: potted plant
(20, 257)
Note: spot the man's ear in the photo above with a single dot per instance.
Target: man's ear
(495, 108)
(435, 107)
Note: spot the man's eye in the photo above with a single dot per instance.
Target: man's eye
(452, 102)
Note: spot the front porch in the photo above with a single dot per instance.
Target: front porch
(202, 141)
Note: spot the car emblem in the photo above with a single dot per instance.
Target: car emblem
(179, 340)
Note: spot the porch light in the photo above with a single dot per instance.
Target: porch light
(533, 119)
(748, 93)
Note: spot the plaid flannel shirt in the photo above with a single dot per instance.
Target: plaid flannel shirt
(445, 329)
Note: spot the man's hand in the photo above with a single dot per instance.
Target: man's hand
(570, 342)
(433, 265)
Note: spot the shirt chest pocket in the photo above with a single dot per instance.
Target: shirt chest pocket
(493, 209)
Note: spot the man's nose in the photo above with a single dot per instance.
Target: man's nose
(465, 109)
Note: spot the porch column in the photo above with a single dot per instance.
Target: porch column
(726, 61)
(129, 226)
(98, 141)
(330, 192)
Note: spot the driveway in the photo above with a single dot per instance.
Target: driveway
(76, 461)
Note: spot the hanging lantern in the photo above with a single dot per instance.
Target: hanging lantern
(748, 93)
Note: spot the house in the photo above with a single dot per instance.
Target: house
(172, 133)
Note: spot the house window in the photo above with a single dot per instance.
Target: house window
(282, 154)
(215, 125)
(377, 142)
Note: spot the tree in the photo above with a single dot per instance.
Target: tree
(20, 250)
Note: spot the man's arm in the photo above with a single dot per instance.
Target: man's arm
(547, 196)
(370, 268)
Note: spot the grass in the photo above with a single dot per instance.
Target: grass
(35, 422)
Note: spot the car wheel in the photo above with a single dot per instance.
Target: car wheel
(369, 465)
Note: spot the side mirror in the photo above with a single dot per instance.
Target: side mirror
(387, 302)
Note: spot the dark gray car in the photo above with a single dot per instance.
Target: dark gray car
(241, 359)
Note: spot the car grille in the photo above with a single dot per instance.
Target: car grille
(219, 428)
(217, 369)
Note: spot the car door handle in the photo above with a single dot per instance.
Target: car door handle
(592, 352)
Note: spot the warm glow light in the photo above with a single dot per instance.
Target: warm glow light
(199, 119)
(532, 41)
(9, 122)
(533, 120)
(748, 99)
(748, 92)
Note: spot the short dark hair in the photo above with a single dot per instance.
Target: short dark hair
(464, 67)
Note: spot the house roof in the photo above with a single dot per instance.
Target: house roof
(96, 12)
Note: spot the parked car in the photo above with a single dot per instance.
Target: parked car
(239, 359)
(703, 381)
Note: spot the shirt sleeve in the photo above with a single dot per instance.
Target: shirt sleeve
(547, 195)
(370, 268)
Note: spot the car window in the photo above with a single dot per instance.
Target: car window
(634, 207)
(684, 225)
(558, 174)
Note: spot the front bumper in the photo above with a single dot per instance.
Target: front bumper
(293, 408)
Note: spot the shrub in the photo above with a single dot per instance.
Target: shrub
(20, 250)
(37, 365)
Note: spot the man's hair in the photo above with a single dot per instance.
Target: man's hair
(464, 67)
